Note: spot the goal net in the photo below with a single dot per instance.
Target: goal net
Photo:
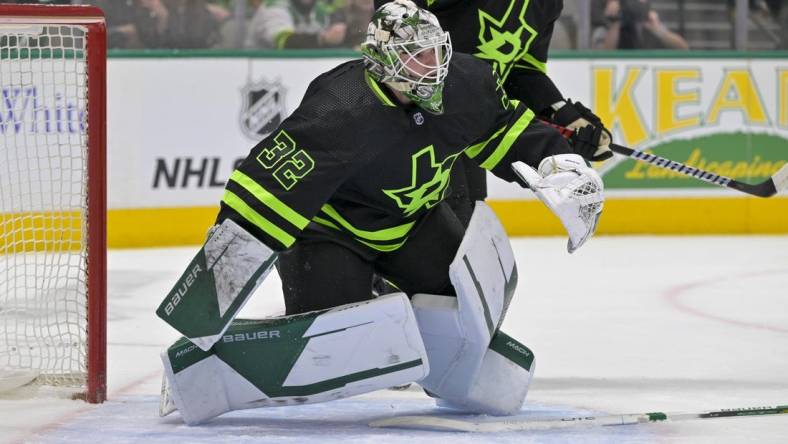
(52, 197)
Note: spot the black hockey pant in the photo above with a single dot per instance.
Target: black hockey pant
(319, 274)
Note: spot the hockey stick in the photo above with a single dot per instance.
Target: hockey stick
(443, 423)
(767, 188)
(771, 186)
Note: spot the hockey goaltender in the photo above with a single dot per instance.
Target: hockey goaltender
(350, 185)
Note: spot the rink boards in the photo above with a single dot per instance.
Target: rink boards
(179, 122)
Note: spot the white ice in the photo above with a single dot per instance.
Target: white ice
(624, 325)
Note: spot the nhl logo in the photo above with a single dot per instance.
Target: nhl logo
(263, 108)
(418, 118)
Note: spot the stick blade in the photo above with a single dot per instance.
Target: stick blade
(425, 423)
(496, 424)
(780, 179)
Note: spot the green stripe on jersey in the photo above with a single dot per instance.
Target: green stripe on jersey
(386, 234)
(508, 140)
(374, 246)
(375, 87)
(269, 200)
(474, 150)
(535, 65)
(384, 248)
(248, 213)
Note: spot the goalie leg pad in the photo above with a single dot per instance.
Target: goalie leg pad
(484, 273)
(501, 384)
(465, 373)
(217, 283)
(457, 331)
(305, 358)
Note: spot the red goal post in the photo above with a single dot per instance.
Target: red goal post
(53, 196)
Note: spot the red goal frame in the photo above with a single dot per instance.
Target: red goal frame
(92, 18)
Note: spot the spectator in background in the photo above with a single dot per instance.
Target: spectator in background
(565, 28)
(164, 24)
(39, 2)
(631, 24)
(764, 13)
(180, 24)
(121, 18)
(782, 19)
(356, 15)
(233, 31)
(284, 24)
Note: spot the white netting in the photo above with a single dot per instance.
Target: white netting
(43, 203)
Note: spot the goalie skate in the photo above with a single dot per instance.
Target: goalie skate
(166, 404)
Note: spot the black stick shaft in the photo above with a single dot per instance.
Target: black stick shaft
(764, 189)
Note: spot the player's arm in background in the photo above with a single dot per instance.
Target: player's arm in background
(273, 26)
(528, 82)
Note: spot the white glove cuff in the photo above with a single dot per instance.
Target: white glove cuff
(561, 163)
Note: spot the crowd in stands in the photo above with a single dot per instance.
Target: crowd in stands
(269, 24)
(631, 24)
(291, 24)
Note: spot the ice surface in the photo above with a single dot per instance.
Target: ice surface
(624, 325)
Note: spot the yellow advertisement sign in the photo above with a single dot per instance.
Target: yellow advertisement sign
(728, 117)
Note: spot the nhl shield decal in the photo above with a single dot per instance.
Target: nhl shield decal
(263, 108)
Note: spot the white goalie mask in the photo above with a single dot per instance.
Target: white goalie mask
(407, 49)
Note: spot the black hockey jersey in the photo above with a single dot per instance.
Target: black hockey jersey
(353, 160)
(511, 35)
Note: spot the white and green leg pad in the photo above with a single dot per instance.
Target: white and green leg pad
(501, 384)
(458, 331)
(299, 359)
(465, 373)
(484, 273)
(217, 283)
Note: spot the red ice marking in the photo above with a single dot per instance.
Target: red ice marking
(674, 295)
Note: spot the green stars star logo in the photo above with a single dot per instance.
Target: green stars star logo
(417, 195)
(498, 43)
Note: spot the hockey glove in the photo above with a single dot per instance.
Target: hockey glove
(591, 139)
(571, 190)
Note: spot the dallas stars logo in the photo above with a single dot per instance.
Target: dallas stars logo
(499, 45)
(429, 193)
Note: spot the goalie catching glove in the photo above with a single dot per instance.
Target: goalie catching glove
(590, 139)
(571, 189)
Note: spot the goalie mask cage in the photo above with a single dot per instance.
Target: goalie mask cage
(53, 198)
